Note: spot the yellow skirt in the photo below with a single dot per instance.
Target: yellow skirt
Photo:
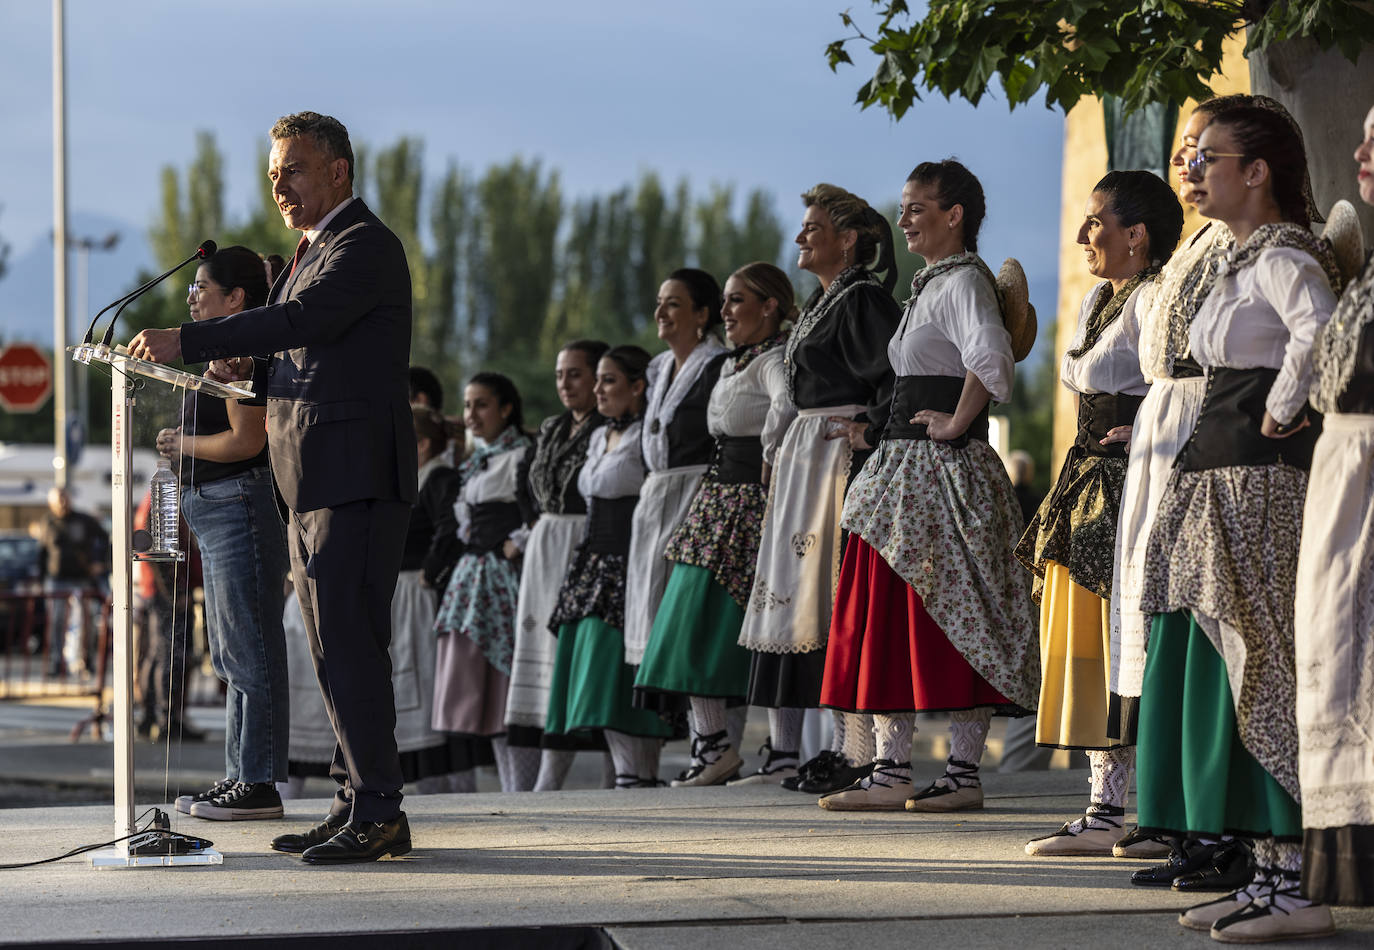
(1075, 632)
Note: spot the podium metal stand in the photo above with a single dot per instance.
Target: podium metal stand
(127, 375)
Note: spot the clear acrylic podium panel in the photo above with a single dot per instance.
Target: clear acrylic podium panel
(145, 397)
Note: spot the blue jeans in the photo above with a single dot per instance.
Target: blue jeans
(243, 555)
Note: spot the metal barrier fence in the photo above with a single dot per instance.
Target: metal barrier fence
(56, 644)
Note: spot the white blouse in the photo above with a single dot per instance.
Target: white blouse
(752, 402)
(495, 482)
(664, 397)
(614, 474)
(1267, 315)
(954, 328)
(1113, 364)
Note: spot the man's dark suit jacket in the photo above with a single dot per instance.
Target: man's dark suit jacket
(339, 423)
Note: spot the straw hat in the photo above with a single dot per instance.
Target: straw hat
(1343, 233)
(1017, 312)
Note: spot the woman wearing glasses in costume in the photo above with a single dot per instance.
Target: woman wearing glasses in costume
(1218, 748)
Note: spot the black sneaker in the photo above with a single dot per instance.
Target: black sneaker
(184, 802)
(244, 802)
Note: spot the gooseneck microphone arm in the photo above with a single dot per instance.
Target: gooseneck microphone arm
(205, 250)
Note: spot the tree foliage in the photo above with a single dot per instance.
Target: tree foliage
(1142, 51)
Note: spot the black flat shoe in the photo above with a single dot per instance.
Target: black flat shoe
(298, 844)
(822, 764)
(361, 841)
(1231, 867)
(842, 776)
(1186, 858)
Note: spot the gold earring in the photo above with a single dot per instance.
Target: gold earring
(1131, 253)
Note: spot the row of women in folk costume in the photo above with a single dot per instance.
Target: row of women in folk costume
(1185, 632)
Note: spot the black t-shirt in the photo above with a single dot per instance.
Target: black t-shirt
(206, 415)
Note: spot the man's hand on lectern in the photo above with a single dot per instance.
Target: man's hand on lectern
(157, 346)
(230, 370)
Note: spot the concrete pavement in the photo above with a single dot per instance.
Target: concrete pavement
(737, 867)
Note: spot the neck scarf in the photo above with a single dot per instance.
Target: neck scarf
(510, 438)
(742, 356)
(1108, 306)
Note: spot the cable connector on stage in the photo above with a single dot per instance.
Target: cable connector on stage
(165, 842)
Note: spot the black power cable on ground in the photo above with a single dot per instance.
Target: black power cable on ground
(156, 838)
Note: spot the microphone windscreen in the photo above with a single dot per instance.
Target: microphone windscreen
(206, 249)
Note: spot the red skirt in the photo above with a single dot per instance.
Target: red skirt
(885, 654)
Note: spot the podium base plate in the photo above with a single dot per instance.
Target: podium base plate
(116, 857)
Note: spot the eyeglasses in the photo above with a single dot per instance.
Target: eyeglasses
(1206, 157)
(197, 289)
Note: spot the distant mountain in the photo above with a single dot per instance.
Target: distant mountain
(26, 297)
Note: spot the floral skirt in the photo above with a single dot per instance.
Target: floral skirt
(1194, 775)
(946, 520)
(479, 603)
(594, 587)
(721, 533)
(592, 684)
(693, 648)
(1074, 700)
(1225, 547)
(663, 502)
(887, 654)
(548, 555)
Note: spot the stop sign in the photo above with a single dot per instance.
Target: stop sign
(25, 378)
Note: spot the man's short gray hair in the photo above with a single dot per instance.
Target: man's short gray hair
(327, 132)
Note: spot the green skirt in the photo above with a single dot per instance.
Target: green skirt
(694, 646)
(1193, 774)
(592, 684)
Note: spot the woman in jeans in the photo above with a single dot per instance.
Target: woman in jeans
(228, 500)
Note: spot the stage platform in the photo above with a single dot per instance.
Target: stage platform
(724, 868)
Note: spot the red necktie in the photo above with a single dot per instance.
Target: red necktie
(301, 248)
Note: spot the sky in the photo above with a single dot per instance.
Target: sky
(731, 92)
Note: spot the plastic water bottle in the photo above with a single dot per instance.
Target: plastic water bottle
(164, 516)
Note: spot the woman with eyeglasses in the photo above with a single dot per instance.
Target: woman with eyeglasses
(1130, 229)
(230, 505)
(1218, 748)
(1335, 598)
(835, 368)
(1162, 426)
(932, 611)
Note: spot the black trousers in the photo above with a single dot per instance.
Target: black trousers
(344, 563)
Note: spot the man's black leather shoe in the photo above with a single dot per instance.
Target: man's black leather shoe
(298, 844)
(360, 841)
(1231, 868)
(1187, 857)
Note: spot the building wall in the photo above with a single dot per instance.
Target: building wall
(1085, 162)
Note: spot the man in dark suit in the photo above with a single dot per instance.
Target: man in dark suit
(332, 348)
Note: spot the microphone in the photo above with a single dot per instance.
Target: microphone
(205, 250)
